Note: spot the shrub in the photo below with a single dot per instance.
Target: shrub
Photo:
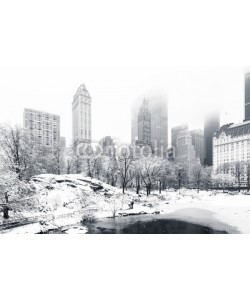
(88, 216)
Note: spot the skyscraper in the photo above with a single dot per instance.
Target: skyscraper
(43, 126)
(81, 116)
(63, 144)
(247, 96)
(144, 125)
(135, 108)
(175, 132)
(185, 152)
(157, 106)
(198, 143)
(108, 146)
(211, 126)
(159, 125)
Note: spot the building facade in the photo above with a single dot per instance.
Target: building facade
(82, 116)
(159, 125)
(171, 154)
(106, 142)
(175, 132)
(157, 106)
(144, 125)
(198, 143)
(211, 126)
(247, 96)
(108, 146)
(231, 146)
(185, 152)
(43, 126)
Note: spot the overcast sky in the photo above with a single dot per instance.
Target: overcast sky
(48, 49)
(190, 93)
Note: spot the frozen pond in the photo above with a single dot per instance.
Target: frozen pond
(144, 224)
(148, 225)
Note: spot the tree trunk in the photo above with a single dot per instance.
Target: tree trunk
(160, 187)
(138, 189)
(6, 212)
(137, 185)
(198, 188)
(6, 208)
(149, 189)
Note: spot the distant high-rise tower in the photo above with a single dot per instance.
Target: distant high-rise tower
(247, 96)
(198, 143)
(185, 152)
(175, 132)
(144, 125)
(81, 116)
(157, 106)
(211, 126)
(159, 125)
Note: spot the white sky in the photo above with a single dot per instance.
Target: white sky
(122, 51)
(190, 92)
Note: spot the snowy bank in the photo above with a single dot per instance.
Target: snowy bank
(64, 200)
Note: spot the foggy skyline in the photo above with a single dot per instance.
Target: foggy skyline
(190, 93)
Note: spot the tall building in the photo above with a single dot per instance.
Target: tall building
(171, 154)
(158, 109)
(175, 132)
(135, 109)
(81, 116)
(247, 96)
(144, 125)
(43, 126)
(231, 145)
(185, 152)
(106, 142)
(108, 146)
(198, 143)
(211, 126)
(63, 145)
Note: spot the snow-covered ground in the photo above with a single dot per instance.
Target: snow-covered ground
(62, 200)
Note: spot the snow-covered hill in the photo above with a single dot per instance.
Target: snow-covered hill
(62, 200)
(63, 182)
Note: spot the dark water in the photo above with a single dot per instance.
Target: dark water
(153, 226)
(147, 224)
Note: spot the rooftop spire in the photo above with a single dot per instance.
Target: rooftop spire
(82, 87)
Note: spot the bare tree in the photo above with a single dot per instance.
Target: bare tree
(110, 170)
(196, 176)
(137, 175)
(18, 150)
(76, 160)
(223, 180)
(170, 174)
(201, 177)
(206, 179)
(124, 165)
(59, 158)
(239, 172)
(149, 169)
(223, 168)
(245, 166)
(12, 194)
(181, 173)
